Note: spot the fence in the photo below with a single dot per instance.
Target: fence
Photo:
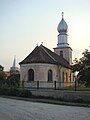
(49, 85)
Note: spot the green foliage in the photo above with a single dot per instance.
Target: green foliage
(76, 67)
(25, 93)
(82, 88)
(83, 67)
(2, 76)
(13, 80)
(84, 75)
(11, 86)
(15, 92)
(2, 79)
(86, 58)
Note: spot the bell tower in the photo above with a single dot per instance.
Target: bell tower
(63, 48)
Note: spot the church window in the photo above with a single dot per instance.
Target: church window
(50, 78)
(66, 77)
(61, 53)
(70, 77)
(63, 77)
(31, 75)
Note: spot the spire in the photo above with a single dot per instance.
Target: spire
(14, 62)
(14, 69)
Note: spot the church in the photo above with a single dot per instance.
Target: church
(46, 66)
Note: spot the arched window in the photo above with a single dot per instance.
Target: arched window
(70, 77)
(50, 78)
(62, 76)
(66, 77)
(31, 75)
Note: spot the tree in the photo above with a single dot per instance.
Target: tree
(83, 68)
(2, 79)
(13, 81)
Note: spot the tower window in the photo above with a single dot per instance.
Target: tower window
(61, 53)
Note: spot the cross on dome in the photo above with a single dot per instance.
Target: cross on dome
(62, 15)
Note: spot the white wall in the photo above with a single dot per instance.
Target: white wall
(40, 71)
(41, 74)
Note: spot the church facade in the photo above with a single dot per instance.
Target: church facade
(46, 66)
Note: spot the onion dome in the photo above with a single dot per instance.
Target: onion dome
(62, 26)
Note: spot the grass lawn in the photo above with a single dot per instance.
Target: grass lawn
(83, 88)
(78, 88)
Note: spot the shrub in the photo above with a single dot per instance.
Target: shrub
(25, 93)
(15, 92)
(79, 100)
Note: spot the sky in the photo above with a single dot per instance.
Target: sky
(26, 23)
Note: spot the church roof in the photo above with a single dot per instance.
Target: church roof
(41, 54)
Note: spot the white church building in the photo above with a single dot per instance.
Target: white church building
(44, 66)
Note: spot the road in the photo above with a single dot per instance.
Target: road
(11, 109)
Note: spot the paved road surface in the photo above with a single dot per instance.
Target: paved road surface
(22, 110)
